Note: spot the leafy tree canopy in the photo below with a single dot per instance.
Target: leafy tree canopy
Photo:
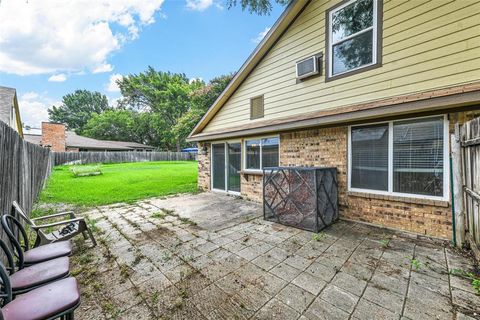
(201, 100)
(77, 108)
(115, 125)
(157, 108)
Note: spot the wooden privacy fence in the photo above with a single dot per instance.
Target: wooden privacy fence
(59, 158)
(470, 143)
(24, 168)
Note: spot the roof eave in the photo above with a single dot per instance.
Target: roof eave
(447, 103)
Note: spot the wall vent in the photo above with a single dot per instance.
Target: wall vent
(256, 107)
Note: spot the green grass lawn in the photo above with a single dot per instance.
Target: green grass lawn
(122, 182)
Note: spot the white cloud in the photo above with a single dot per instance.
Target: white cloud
(58, 78)
(57, 36)
(112, 85)
(33, 108)
(260, 36)
(199, 5)
(106, 67)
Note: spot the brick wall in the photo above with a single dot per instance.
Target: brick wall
(328, 147)
(252, 187)
(53, 136)
(204, 166)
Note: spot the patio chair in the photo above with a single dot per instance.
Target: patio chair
(26, 256)
(37, 275)
(55, 300)
(71, 227)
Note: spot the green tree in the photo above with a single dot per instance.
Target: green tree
(165, 94)
(260, 7)
(200, 100)
(77, 108)
(118, 125)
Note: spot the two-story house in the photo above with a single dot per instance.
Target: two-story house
(371, 87)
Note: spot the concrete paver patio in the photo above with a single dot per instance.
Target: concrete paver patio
(211, 256)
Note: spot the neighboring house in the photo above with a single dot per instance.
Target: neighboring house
(370, 87)
(55, 137)
(9, 111)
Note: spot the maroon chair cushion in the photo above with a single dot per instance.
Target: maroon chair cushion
(44, 302)
(48, 252)
(40, 273)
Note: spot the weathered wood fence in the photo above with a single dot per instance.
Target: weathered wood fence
(59, 158)
(470, 142)
(24, 168)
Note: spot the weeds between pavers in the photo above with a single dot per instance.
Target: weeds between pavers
(415, 264)
(166, 212)
(475, 280)
(319, 236)
(111, 310)
(159, 215)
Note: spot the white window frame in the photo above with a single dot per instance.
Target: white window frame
(390, 192)
(225, 145)
(331, 43)
(244, 150)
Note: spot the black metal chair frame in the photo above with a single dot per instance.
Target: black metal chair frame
(11, 270)
(7, 296)
(18, 248)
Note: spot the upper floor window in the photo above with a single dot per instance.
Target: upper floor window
(354, 38)
(256, 107)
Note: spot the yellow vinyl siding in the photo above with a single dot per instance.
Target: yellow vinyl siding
(426, 45)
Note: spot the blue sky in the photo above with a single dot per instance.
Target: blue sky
(86, 44)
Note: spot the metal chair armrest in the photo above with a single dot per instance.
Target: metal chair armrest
(60, 214)
(59, 223)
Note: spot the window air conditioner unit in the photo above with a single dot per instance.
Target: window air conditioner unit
(308, 67)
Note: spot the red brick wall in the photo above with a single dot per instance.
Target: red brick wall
(53, 135)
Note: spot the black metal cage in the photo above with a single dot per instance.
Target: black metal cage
(302, 197)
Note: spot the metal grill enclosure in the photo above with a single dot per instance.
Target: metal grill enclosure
(301, 197)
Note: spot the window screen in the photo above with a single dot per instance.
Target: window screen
(418, 156)
(256, 107)
(369, 157)
(253, 154)
(218, 154)
(262, 153)
(270, 152)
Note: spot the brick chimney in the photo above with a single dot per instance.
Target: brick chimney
(53, 136)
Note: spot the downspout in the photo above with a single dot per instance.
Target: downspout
(454, 227)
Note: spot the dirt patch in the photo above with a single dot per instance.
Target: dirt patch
(158, 233)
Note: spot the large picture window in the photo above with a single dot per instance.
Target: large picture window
(353, 36)
(261, 153)
(405, 157)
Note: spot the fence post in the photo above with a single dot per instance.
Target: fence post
(457, 189)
